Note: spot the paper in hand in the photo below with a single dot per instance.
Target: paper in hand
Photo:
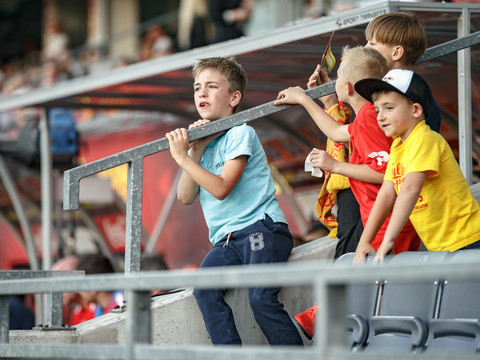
(309, 167)
(328, 61)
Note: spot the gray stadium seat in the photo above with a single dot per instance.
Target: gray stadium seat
(361, 302)
(405, 309)
(457, 328)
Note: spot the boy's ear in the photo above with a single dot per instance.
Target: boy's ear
(398, 52)
(349, 88)
(346, 88)
(235, 98)
(417, 111)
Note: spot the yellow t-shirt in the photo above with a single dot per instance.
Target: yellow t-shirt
(446, 215)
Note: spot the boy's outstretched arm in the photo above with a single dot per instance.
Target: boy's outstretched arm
(194, 175)
(328, 125)
(381, 209)
(404, 204)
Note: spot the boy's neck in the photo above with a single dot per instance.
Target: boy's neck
(400, 65)
(356, 102)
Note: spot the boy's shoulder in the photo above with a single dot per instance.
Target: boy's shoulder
(422, 136)
(242, 131)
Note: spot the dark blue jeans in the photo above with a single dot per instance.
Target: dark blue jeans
(261, 242)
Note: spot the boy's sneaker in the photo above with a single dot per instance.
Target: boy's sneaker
(306, 321)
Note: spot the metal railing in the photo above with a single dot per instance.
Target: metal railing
(328, 282)
(52, 299)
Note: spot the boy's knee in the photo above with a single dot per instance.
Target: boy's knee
(201, 297)
(261, 300)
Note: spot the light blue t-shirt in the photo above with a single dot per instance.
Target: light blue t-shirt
(252, 197)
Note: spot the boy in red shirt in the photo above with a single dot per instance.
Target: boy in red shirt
(368, 144)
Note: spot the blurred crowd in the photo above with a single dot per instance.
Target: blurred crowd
(201, 22)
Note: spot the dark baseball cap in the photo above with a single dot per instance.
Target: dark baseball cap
(405, 82)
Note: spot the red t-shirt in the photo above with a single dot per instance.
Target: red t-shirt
(369, 145)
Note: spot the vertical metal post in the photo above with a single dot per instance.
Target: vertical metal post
(46, 207)
(331, 318)
(134, 217)
(53, 309)
(4, 319)
(46, 178)
(464, 100)
(139, 320)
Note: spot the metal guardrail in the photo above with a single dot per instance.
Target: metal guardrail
(328, 286)
(134, 157)
(53, 300)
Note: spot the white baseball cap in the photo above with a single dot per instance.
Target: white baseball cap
(405, 82)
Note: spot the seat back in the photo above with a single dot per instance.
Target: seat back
(418, 299)
(457, 328)
(405, 309)
(361, 302)
(461, 297)
(361, 299)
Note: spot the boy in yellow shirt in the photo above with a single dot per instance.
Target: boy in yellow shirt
(421, 166)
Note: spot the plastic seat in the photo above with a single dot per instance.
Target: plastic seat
(457, 328)
(361, 302)
(405, 309)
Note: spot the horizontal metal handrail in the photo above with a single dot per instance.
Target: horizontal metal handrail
(325, 278)
(289, 274)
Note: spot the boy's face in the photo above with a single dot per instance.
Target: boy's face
(396, 116)
(387, 51)
(212, 97)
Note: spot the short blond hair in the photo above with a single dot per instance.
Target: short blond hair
(399, 28)
(361, 63)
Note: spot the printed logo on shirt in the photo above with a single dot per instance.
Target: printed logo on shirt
(256, 242)
(420, 204)
(398, 176)
(381, 157)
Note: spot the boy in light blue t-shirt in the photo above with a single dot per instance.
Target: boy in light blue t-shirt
(230, 174)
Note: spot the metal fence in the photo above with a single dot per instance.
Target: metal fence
(328, 282)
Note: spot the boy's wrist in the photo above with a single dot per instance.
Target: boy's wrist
(328, 101)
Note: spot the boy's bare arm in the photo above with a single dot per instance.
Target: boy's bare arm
(322, 160)
(195, 175)
(218, 186)
(404, 204)
(327, 124)
(187, 188)
(381, 209)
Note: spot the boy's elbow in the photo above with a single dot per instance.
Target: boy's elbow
(221, 195)
(184, 199)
